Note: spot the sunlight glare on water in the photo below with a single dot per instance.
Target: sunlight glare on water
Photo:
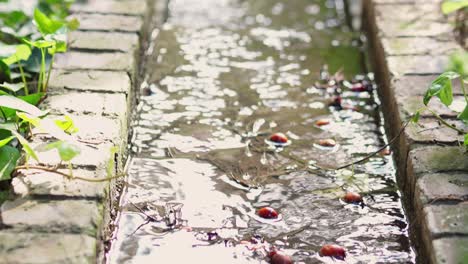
(223, 75)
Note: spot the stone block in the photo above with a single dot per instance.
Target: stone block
(409, 105)
(96, 81)
(411, 85)
(91, 156)
(110, 61)
(107, 22)
(408, 13)
(442, 186)
(447, 219)
(417, 46)
(82, 103)
(53, 215)
(389, 27)
(452, 250)
(45, 248)
(121, 7)
(44, 184)
(438, 159)
(91, 129)
(104, 41)
(416, 65)
(430, 130)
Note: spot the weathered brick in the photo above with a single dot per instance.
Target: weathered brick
(70, 215)
(389, 27)
(417, 46)
(112, 61)
(87, 103)
(404, 65)
(122, 7)
(100, 22)
(438, 158)
(42, 183)
(92, 129)
(442, 186)
(453, 250)
(447, 219)
(409, 105)
(91, 156)
(19, 247)
(107, 41)
(413, 12)
(99, 81)
(430, 130)
(411, 85)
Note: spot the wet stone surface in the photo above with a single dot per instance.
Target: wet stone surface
(216, 89)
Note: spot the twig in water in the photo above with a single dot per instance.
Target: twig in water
(377, 151)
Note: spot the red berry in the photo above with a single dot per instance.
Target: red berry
(327, 142)
(267, 213)
(385, 152)
(279, 138)
(279, 258)
(352, 197)
(334, 251)
(322, 122)
(358, 87)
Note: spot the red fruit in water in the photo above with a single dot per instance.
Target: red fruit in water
(322, 122)
(336, 101)
(385, 152)
(352, 197)
(267, 213)
(334, 251)
(279, 138)
(279, 258)
(327, 142)
(358, 87)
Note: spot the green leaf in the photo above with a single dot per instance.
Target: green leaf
(5, 141)
(22, 53)
(26, 147)
(110, 168)
(14, 87)
(465, 142)
(67, 125)
(441, 87)
(45, 24)
(450, 6)
(66, 150)
(33, 99)
(415, 118)
(35, 121)
(73, 24)
(464, 114)
(5, 73)
(18, 104)
(8, 158)
(459, 63)
(41, 44)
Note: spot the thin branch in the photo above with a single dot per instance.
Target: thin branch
(54, 170)
(377, 151)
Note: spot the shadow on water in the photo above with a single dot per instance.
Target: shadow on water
(222, 76)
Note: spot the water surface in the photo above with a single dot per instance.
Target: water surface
(223, 76)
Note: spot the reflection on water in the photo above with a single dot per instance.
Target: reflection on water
(223, 76)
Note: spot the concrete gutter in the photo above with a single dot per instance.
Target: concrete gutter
(50, 219)
(409, 42)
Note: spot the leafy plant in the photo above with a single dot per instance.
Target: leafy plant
(442, 88)
(450, 6)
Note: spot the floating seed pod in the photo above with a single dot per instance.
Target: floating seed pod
(322, 122)
(327, 142)
(279, 258)
(279, 138)
(333, 251)
(267, 213)
(352, 197)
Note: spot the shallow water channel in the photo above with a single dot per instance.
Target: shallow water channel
(222, 76)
